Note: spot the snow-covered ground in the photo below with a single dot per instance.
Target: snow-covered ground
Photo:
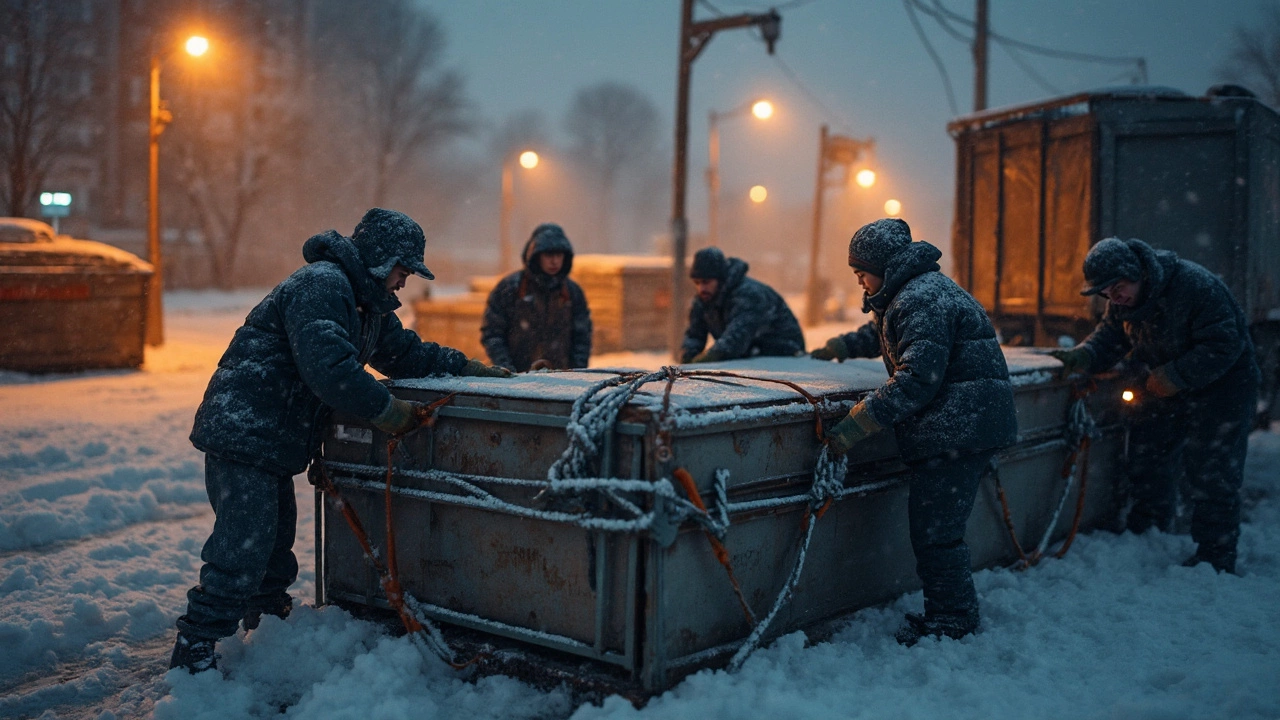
(103, 513)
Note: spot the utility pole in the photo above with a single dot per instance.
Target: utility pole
(980, 57)
(694, 37)
(833, 151)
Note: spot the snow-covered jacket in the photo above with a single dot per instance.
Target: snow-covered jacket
(948, 390)
(302, 352)
(533, 316)
(746, 317)
(1186, 327)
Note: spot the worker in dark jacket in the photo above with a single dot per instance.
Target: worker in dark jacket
(743, 315)
(948, 401)
(300, 353)
(1179, 321)
(537, 317)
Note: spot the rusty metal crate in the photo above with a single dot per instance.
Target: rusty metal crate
(655, 604)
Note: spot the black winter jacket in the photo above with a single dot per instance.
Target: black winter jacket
(1185, 327)
(746, 317)
(302, 351)
(531, 316)
(948, 390)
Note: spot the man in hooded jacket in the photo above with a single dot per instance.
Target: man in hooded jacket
(300, 353)
(743, 315)
(537, 317)
(1194, 413)
(948, 401)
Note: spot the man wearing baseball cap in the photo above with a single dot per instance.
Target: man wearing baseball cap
(1179, 321)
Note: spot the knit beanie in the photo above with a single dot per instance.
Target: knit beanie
(1107, 262)
(709, 264)
(876, 242)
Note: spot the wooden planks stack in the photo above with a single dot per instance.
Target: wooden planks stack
(629, 297)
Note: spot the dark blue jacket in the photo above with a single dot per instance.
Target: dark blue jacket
(746, 317)
(1186, 326)
(948, 390)
(302, 352)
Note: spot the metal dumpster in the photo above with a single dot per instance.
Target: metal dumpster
(68, 304)
(654, 603)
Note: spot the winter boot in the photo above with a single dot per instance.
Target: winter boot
(1221, 562)
(917, 626)
(193, 653)
(253, 617)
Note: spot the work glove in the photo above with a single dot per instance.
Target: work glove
(475, 368)
(1075, 360)
(853, 429)
(709, 355)
(541, 364)
(835, 349)
(399, 417)
(687, 357)
(1159, 384)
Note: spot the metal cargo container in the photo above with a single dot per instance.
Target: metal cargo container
(1038, 184)
(68, 304)
(482, 549)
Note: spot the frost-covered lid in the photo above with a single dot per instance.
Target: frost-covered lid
(25, 230)
(63, 251)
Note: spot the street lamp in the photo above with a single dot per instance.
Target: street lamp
(694, 37)
(892, 208)
(762, 109)
(528, 160)
(758, 193)
(833, 151)
(159, 119)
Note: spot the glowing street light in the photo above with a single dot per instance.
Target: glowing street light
(527, 160)
(865, 178)
(160, 117)
(833, 151)
(761, 109)
(758, 193)
(892, 207)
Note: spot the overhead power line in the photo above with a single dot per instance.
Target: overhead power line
(933, 55)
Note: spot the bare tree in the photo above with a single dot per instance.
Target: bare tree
(38, 95)
(613, 126)
(406, 104)
(1255, 57)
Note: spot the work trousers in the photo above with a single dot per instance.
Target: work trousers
(1204, 434)
(248, 559)
(940, 500)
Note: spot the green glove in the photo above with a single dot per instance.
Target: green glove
(398, 418)
(475, 368)
(835, 349)
(1076, 360)
(856, 427)
(709, 355)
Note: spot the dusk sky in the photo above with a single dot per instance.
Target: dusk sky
(858, 66)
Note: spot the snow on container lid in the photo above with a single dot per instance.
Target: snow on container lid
(30, 244)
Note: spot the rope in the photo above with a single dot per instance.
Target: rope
(717, 547)
(1080, 429)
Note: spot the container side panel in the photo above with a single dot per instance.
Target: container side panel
(1020, 225)
(1067, 223)
(1263, 299)
(986, 218)
(1176, 191)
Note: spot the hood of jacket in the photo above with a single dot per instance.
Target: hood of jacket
(907, 262)
(336, 248)
(1158, 268)
(548, 238)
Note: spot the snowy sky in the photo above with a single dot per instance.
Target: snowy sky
(860, 68)
(103, 513)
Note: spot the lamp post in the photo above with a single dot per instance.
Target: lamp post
(694, 37)
(762, 109)
(833, 151)
(159, 119)
(528, 160)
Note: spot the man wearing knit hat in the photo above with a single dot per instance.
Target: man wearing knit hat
(948, 402)
(300, 354)
(744, 316)
(1180, 322)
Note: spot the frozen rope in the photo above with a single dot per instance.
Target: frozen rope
(722, 502)
(1080, 428)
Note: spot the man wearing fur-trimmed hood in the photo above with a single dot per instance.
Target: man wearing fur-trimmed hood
(537, 318)
(1178, 321)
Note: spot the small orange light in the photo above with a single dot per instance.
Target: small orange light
(1127, 396)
